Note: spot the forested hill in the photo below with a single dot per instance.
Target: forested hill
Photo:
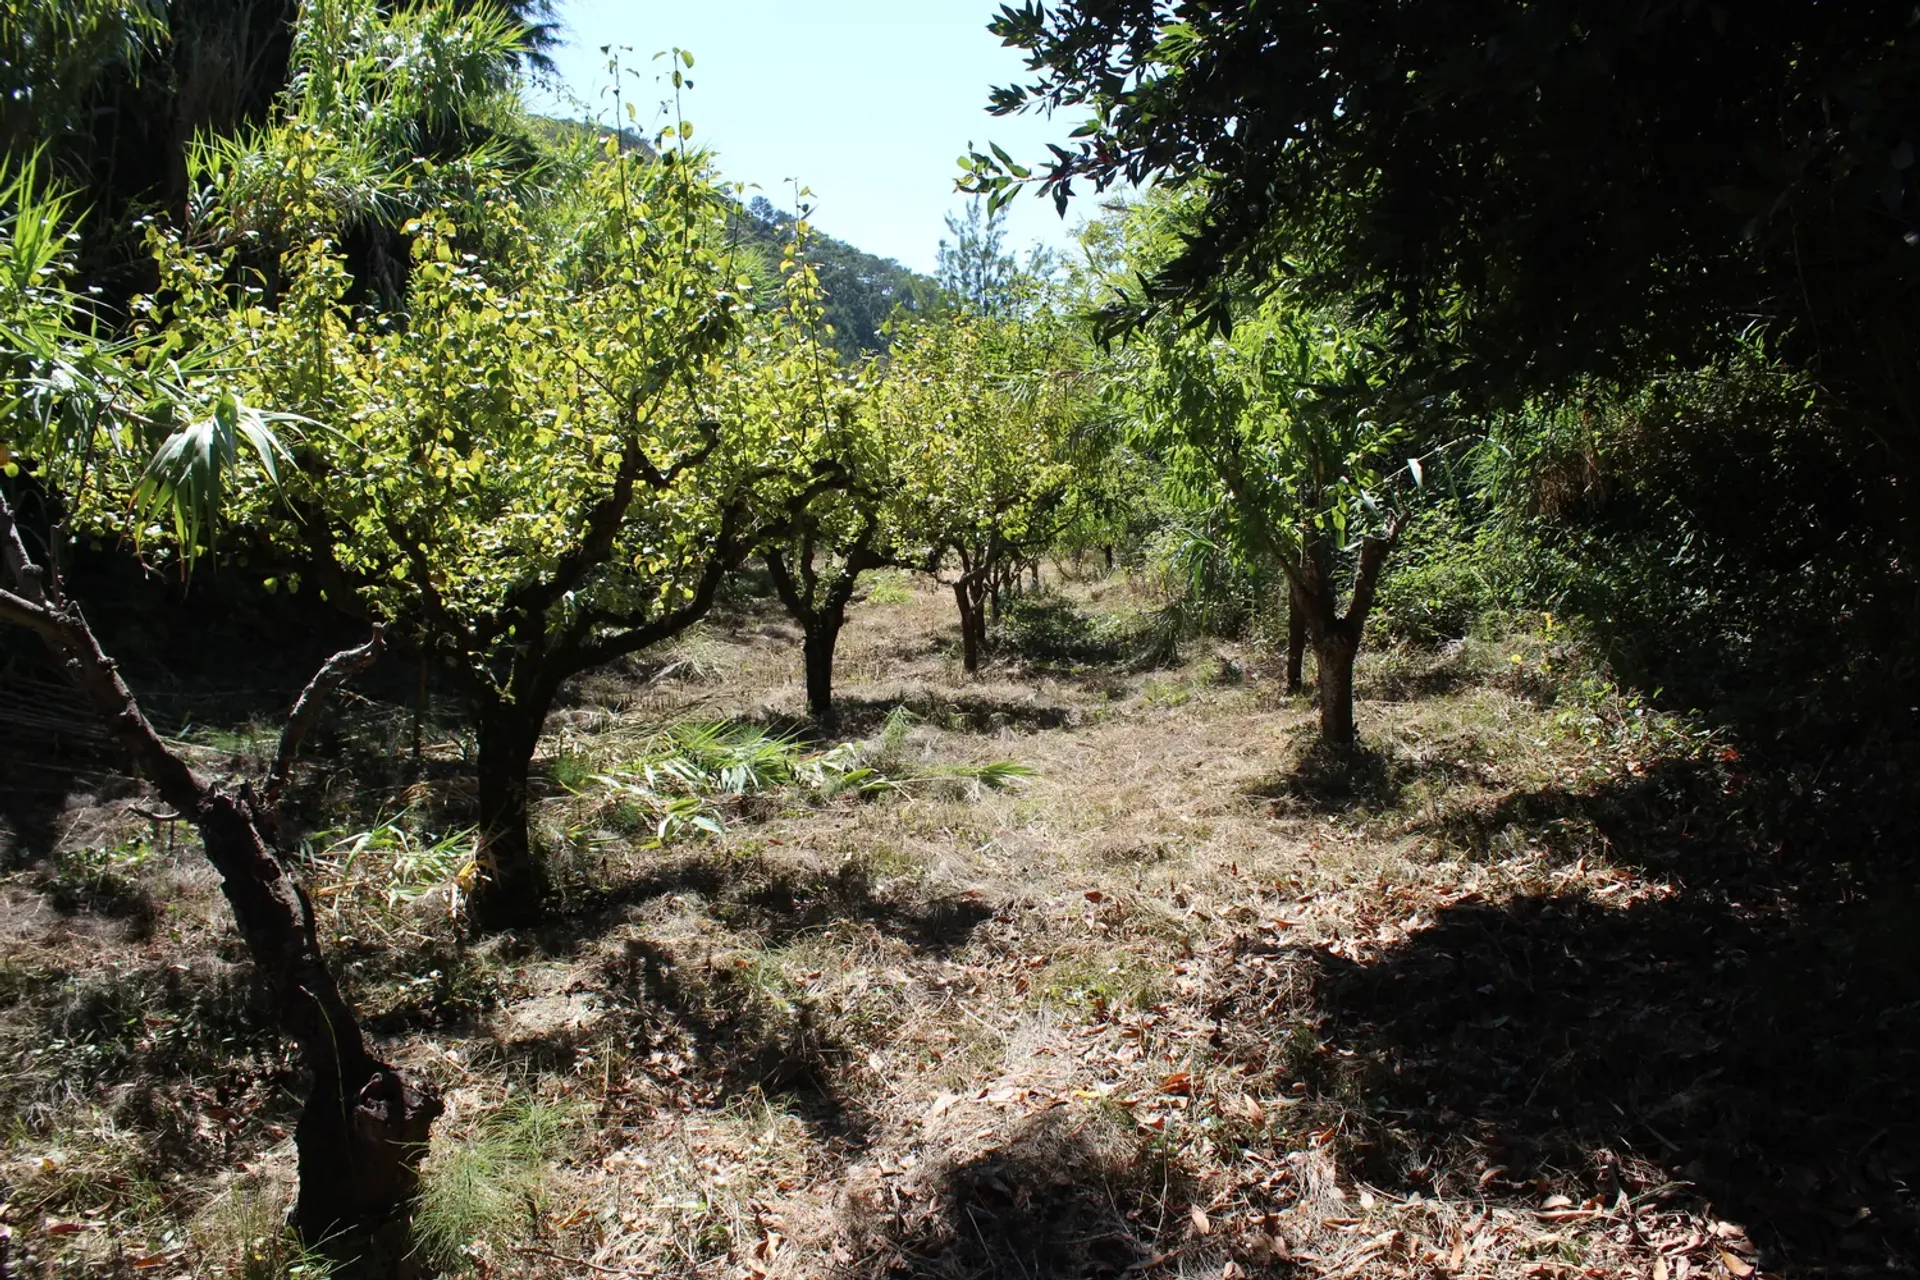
(862, 288)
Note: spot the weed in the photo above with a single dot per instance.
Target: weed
(102, 880)
(244, 1234)
(889, 586)
(406, 864)
(478, 1192)
(573, 769)
(685, 774)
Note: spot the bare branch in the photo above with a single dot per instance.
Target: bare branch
(334, 672)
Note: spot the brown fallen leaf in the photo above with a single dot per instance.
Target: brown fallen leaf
(1201, 1222)
(1735, 1263)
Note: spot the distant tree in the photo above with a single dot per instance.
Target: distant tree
(974, 267)
(1294, 441)
(982, 410)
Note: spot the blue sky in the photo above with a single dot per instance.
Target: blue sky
(868, 102)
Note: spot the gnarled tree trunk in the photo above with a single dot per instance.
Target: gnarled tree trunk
(364, 1125)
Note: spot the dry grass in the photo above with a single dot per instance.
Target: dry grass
(1195, 1000)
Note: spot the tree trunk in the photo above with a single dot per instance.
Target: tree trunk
(1296, 641)
(511, 886)
(973, 626)
(364, 1126)
(1333, 660)
(817, 652)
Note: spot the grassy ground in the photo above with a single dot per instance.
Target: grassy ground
(1528, 987)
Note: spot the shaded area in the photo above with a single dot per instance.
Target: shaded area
(1064, 1195)
(159, 1046)
(50, 747)
(749, 1044)
(1737, 1027)
(955, 712)
(1330, 780)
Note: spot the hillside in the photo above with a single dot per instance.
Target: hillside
(863, 290)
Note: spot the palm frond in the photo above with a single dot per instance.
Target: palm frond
(185, 481)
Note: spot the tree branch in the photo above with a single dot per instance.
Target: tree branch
(1366, 575)
(603, 522)
(639, 635)
(798, 604)
(333, 673)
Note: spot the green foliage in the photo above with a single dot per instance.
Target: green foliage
(686, 775)
(410, 863)
(889, 586)
(103, 879)
(1580, 193)
(1454, 573)
(485, 1189)
(978, 413)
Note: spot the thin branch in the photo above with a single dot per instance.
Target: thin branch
(336, 671)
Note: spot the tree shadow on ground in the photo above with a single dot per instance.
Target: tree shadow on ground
(741, 1042)
(1063, 1195)
(1737, 1030)
(747, 1045)
(1331, 781)
(774, 904)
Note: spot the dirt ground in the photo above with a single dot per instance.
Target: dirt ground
(1521, 989)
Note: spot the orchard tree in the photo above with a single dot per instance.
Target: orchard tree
(1295, 435)
(83, 421)
(982, 409)
(1284, 429)
(549, 460)
(831, 532)
(835, 533)
(553, 463)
